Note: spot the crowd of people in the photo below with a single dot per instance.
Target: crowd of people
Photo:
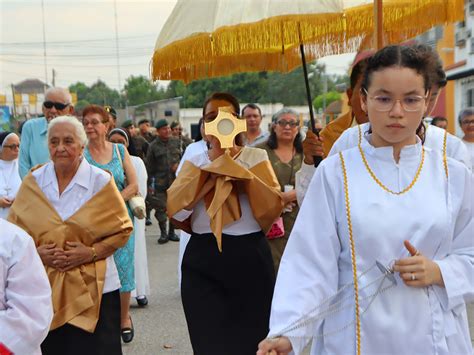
(275, 252)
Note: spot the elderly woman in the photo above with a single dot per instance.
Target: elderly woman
(10, 180)
(285, 151)
(142, 281)
(114, 158)
(62, 206)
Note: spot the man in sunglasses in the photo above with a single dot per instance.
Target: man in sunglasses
(34, 148)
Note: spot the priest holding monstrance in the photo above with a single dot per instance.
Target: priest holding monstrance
(227, 198)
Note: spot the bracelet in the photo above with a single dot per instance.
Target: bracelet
(94, 254)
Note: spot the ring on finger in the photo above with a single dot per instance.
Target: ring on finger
(413, 277)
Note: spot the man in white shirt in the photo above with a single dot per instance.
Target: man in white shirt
(466, 121)
(26, 309)
(254, 135)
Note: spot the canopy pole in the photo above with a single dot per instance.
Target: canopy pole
(316, 159)
(378, 23)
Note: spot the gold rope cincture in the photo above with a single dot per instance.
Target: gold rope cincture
(374, 177)
(445, 155)
(335, 303)
(360, 134)
(353, 254)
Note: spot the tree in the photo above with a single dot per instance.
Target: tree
(99, 93)
(263, 87)
(140, 90)
(80, 89)
(331, 96)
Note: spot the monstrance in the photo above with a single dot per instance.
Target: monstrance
(225, 127)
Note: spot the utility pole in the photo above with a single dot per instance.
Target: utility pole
(117, 46)
(54, 78)
(14, 104)
(325, 91)
(44, 45)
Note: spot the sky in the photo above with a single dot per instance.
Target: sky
(80, 40)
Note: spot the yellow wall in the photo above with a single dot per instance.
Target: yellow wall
(445, 49)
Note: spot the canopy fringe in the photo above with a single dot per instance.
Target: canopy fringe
(273, 44)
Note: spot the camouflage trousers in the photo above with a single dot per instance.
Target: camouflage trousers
(157, 202)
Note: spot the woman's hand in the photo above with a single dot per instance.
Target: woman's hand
(289, 196)
(5, 202)
(275, 346)
(417, 270)
(77, 254)
(312, 146)
(51, 256)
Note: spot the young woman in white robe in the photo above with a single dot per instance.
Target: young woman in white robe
(26, 309)
(413, 210)
(142, 280)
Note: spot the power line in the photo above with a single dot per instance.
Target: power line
(80, 56)
(75, 41)
(72, 65)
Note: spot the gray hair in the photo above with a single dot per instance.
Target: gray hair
(284, 111)
(58, 90)
(469, 111)
(73, 121)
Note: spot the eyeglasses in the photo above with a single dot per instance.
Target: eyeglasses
(284, 123)
(385, 103)
(467, 122)
(57, 105)
(92, 123)
(12, 146)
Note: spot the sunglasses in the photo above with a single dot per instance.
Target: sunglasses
(12, 146)
(57, 105)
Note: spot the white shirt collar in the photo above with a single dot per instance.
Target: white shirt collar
(81, 178)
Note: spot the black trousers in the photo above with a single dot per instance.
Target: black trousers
(71, 340)
(227, 296)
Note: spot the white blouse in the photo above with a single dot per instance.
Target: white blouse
(84, 185)
(200, 222)
(26, 309)
(10, 182)
(435, 215)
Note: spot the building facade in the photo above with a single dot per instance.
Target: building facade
(461, 72)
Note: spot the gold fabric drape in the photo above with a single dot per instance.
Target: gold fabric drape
(334, 129)
(76, 293)
(259, 183)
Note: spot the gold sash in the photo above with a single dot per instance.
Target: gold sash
(77, 293)
(222, 203)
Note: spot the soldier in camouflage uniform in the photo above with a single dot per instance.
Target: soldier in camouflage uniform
(177, 132)
(139, 143)
(161, 163)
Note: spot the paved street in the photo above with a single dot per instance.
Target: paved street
(162, 323)
(160, 328)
